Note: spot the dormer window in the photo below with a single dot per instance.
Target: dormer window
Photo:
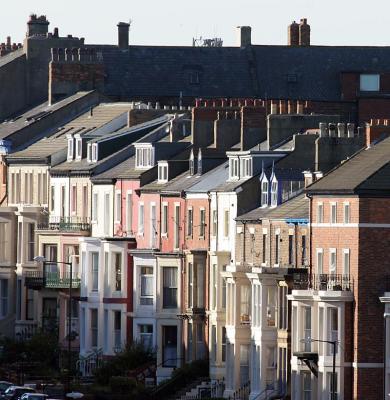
(274, 193)
(234, 171)
(79, 145)
(246, 168)
(264, 192)
(192, 163)
(95, 152)
(89, 152)
(144, 157)
(70, 148)
(162, 172)
(200, 162)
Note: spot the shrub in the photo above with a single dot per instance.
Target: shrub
(131, 357)
(122, 384)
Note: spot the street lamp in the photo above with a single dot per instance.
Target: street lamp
(42, 259)
(333, 343)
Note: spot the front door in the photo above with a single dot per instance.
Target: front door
(49, 314)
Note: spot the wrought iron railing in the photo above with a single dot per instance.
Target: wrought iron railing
(54, 280)
(65, 224)
(242, 393)
(87, 365)
(334, 282)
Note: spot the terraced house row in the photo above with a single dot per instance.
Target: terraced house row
(199, 210)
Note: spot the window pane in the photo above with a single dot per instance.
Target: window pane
(169, 287)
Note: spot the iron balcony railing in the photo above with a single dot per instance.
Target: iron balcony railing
(334, 282)
(51, 280)
(65, 224)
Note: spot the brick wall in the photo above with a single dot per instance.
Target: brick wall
(249, 246)
(73, 70)
(369, 266)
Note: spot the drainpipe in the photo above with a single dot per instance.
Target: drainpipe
(243, 244)
(311, 237)
(270, 244)
(296, 244)
(113, 210)
(69, 193)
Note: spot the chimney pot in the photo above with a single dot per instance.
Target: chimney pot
(341, 129)
(293, 34)
(351, 130)
(123, 35)
(332, 130)
(304, 33)
(245, 38)
(323, 129)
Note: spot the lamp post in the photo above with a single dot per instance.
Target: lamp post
(333, 343)
(45, 262)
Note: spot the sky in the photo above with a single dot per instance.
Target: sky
(175, 22)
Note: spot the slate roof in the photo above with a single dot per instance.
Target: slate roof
(296, 208)
(13, 125)
(85, 123)
(368, 171)
(12, 56)
(156, 71)
(124, 170)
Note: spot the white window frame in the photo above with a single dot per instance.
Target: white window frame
(141, 219)
(162, 172)
(202, 222)
(153, 225)
(320, 268)
(164, 219)
(144, 156)
(264, 193)
(347, 212)
(333, 213)
(332, 268)
(274, 192)
(346, 256)
(214, 216)
(369, 82)
(129, 213)
(73, 199)
(95, 152)
(226, 222)
(4, 240)
(320, 212)
(176, 226)
(95, 205)
(234, 168)
(94, 288)
(118, 206)
(190, 221)
(70, 152)
(246, 167)
(79, 148)
(149, 298)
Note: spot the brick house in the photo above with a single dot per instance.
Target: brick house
(271, 243)
(349, 226)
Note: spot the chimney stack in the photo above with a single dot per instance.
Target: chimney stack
(293, 34)
(123, 35)
(245, 38)
(37, 26)
(304, 33)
